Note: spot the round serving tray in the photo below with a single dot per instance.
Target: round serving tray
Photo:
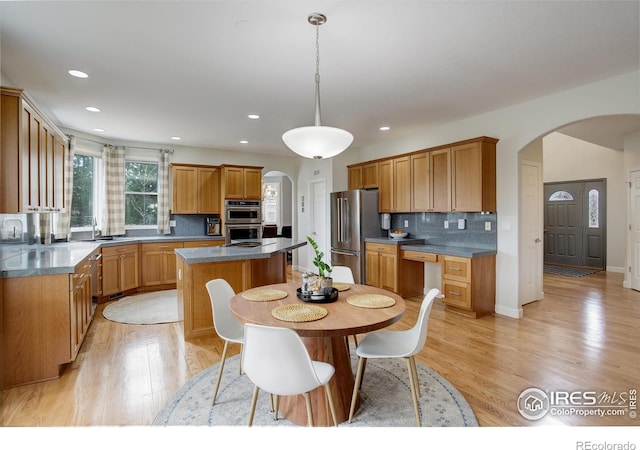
(318, 298)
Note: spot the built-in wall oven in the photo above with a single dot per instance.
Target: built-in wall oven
(242, 219)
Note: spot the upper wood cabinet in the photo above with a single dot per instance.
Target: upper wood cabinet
(420, 182)
(440, 172)
(241, 182)
(363, 176)
(196, 189)
(394, 185)
(33, 154)
(473, 177)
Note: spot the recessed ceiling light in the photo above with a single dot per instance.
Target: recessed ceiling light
(253, 116)
(92, 109)
(78, 74)
(244, 142)
(98, 129)
(385, 128)
(176, 138)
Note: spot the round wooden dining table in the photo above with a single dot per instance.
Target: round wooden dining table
(324, 339)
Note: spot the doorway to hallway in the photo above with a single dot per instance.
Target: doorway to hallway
(575, 223)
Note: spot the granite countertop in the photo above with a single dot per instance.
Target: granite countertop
(419, 245)
(22, 260)
(268, 247)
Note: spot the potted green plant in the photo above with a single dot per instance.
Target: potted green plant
(324, 269)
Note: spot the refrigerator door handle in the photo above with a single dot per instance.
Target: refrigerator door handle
(337, 252)
(339, 218)
(345, 218)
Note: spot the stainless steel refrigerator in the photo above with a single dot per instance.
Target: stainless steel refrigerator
(354, 217)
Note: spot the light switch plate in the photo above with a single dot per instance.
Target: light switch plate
(462, 224)
(406, 223)
(172, 223)
(446, 224)
(487, 226)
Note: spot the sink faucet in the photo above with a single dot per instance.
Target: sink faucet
(94, 225)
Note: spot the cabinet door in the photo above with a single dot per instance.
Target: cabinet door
(59, 161)
(440, 162)
(170, 266)
(252, 183)
(234, 183)
(110, 274)
(473, 177)
(209, 190)
(402, 184)
(30, 161)
(355, 177)
(388, 272)
(185, 190)
(129, 271)
(372, 268)
(385, 186)
(420, 186)
(47, 144)
(152, 267)
(370, 175)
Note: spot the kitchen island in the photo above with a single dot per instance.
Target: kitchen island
(244, 265)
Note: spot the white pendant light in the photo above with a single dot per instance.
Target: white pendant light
(317, 141)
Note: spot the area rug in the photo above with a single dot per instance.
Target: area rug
(568, 271)
(144, 309)
(385, 400)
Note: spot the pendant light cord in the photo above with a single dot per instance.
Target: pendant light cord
(318, 122)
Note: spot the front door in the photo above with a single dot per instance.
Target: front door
(574, 218)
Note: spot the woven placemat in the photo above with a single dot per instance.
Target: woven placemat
(298, 313)
(371, 301)
(342, 286)
(264, 294)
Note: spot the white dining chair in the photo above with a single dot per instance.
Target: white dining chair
(343, 274)
(226, 326)
(276, 360)
(396, 344)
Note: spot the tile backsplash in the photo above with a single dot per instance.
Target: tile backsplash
(479, 228)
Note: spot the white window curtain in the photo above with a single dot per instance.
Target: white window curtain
(163, 193)
(113, 176)
(63, 220)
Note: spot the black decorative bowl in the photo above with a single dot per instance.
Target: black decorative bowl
(329, 297)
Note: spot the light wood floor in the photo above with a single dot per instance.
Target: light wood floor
(582, 336)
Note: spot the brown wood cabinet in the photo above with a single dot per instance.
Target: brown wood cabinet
(45, 320)
(241, 182)
(420, 182)
(33, 157)
(394, 185)
(158, 263)
(440, 172)
(195, 244)
(195, 189)
(119, 269)
(468, 284)
(473, 177)
(363, 176)
(385, 269)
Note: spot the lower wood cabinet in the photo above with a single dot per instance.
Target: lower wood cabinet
(158, 264)
(385, 269)
(469, 284)
(119, 269)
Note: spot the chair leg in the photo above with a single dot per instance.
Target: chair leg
(240, 365)
(276, 406)
(346, 342)
(355, 339)
(415, 375)
(307, 400)
(332, 406)
(254, 400)
(364, 367)
(356, 386)
(222, 360)
(414, 385)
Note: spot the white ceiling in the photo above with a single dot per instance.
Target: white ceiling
(197, 69)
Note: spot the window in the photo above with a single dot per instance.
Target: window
(83, 201)
(594, 208)
(141, 193)
(559, 196)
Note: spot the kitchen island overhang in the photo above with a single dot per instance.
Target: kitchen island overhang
(243, 267)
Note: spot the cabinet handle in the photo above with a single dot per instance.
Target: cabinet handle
(454, 293)
(455, 268)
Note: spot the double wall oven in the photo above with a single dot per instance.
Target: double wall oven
(242, 219)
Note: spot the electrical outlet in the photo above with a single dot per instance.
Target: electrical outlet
(487, 226)
(172, 223)
(406, 223)
(462, 224)
(446, 224)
